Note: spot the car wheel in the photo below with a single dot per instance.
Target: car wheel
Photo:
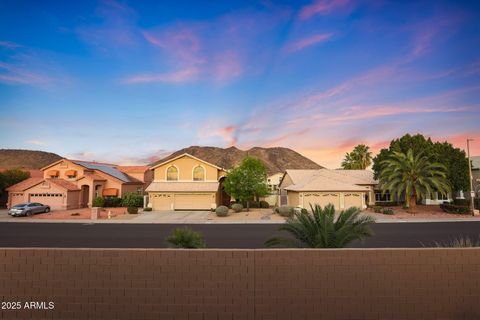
(47, 210)
(29, 213)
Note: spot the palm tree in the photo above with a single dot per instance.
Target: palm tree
(360, 158)
(185, 238)
(413, 175)
(320, 229)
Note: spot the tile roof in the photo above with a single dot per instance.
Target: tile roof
(133, 169)
(183, 186)
(325, 180)
(25, 184)
(105, 168)
(63, 184)
(359, 176)
(92, 176)
(34, 173)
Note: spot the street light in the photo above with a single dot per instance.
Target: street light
(472, 191)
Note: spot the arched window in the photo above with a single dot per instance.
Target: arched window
(198, 173)
(172, 173)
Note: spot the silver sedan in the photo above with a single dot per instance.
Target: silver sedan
(28, 209)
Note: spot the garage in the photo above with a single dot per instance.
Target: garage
(322, 199)
(162, 201)
(54, 200)
(194, 201)
(353, 200)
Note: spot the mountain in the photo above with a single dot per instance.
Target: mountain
(31, 159)
(275, 159)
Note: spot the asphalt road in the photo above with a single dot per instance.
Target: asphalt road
(76, 235)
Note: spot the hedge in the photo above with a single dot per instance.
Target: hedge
(452, 208)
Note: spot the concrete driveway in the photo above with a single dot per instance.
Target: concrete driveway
(4, 215)
(167, 217)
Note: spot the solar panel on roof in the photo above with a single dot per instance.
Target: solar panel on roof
(106, 169)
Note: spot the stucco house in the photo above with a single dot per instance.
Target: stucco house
(71, 184)
(342, 188)
(476, 175)
(186, 183)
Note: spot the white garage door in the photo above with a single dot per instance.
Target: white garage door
(194, 201)
(54, 200)
(322, 199)
(353, 200)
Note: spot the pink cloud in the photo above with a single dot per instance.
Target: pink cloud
(227, 66)
(323, 7)
(308, 41)
(13, 74)
(180, 43)
(180, 76)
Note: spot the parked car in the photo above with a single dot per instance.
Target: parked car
(28, 209)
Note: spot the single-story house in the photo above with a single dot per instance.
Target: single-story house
(186, 182)
(342, 188)
(71, 184)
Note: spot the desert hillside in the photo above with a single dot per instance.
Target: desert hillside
(275, 159)
(12, 158)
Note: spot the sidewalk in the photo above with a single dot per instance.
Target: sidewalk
(263, 216)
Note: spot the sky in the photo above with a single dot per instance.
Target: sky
(129, 82)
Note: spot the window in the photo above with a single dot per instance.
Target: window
(140, 190)
(382, 198)
(172, 173)
(441, 196)
(198, 173)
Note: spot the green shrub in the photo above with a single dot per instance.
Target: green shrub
(377, 209)
(451, 208)
(147, 209)
(112, 202)
(98, 202)
(252, 204)
(185, 238)
(304, 211)
(237, 207)
(461, 202)
(387, 211)
(387, 204)
(132, 199)
(132, 210)
(285, 211)
(264, 204)
(221, 211)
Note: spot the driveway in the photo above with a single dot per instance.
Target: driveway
(166, 217)
(4, 215)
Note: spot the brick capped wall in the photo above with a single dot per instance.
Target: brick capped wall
(242, 284)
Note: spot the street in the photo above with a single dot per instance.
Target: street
(77, 235)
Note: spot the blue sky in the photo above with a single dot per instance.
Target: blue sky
(129, 82)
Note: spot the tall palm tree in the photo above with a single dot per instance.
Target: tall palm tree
(413, 175)
(360, 158)
(320, 229)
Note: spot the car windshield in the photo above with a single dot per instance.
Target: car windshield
(19, 206)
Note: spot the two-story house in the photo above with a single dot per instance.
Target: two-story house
(186, 182)
(71, 184)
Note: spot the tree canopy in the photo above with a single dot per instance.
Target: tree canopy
(454, 159)
(413, 175)
(247, 180)
(360, 158)
(10, 177)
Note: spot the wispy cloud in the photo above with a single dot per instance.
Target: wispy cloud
(308, 41)
(180, 76)
(9, 44)
(324, 7)
(13, 74)
(37, 142)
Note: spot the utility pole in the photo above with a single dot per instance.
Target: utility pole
(472, 192)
